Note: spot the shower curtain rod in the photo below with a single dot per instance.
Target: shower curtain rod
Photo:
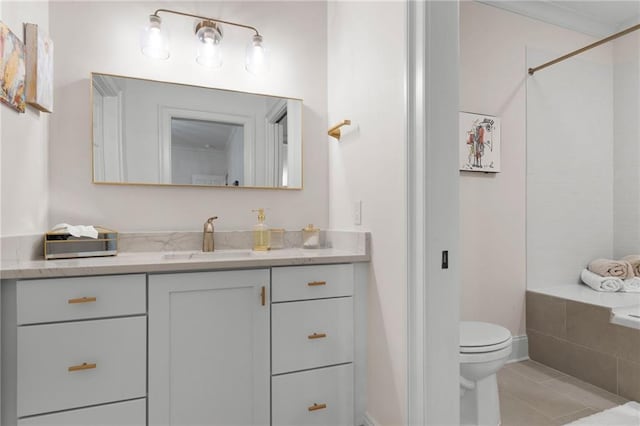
(584, 49)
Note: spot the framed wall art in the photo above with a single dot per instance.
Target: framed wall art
(12, 69)
(39, 65)
(479, 143)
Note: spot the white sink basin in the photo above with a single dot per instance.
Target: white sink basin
(210, 255)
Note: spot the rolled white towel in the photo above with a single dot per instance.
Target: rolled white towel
(599, 283)
(631, 285)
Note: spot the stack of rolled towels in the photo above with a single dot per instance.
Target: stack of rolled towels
(613, 275)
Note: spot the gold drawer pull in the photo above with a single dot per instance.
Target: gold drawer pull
(317, 336)
(316, 283)
(315, 407)
(83, 300)
(83, 366)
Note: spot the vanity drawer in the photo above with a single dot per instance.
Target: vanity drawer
(64, 299)
(128, 413)
(311, 282)
(310, 334)
(50, 358)
(316, 397)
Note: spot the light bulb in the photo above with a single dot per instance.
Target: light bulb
(257, 59)
(153, 41)
(209, 36)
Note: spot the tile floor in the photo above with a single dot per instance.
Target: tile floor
(532, 394)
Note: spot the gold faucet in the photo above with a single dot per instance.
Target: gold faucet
(207, 235)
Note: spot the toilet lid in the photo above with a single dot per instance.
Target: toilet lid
(478, 336)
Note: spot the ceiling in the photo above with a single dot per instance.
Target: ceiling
(596, 18)
(202, 134)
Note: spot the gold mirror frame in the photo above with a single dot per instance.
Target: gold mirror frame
(160, 184)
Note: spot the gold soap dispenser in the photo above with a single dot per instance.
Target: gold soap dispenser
(261, 234)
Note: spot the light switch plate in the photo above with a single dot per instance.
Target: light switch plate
(357, 212)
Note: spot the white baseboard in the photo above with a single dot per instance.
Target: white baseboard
(519, 349)
(369, 421)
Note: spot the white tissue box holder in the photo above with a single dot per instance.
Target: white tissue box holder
(59, 244)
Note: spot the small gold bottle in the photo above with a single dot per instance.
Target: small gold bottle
(261, 234)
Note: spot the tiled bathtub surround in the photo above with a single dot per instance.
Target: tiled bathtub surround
(578, 339)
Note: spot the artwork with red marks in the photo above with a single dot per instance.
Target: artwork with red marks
(480, 147)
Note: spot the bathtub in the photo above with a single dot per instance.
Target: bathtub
(628, 316)
(591, 335)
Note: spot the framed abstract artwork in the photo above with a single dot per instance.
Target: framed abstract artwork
(39, 65)
(479, 143)
(12, 69)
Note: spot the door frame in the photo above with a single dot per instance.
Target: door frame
(433, 303)
(167, 113)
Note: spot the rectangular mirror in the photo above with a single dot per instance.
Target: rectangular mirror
(153, 132)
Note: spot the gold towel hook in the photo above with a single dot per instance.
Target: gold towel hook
(335, 130)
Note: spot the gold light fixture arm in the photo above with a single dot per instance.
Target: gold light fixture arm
(584, 49)
(335, 130)
(175, 12)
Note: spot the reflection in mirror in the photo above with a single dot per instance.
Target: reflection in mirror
(206, 152)
(149, 132)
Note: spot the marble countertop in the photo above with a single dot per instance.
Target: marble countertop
(168, 261)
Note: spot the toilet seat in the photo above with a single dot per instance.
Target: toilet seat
(480, 337)
(484, 357)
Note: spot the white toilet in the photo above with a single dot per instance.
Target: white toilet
(484, 348)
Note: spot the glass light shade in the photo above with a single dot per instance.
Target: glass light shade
(209, 36)
(153, 41)
(257, 60)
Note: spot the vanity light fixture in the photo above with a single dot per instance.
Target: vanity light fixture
(155, 44)
(208, 38)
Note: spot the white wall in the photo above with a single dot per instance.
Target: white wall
(493, 207)
(187, 161)
(24, 144)
(569, 167)
(626, 172)
(366, 73)
(104, 38)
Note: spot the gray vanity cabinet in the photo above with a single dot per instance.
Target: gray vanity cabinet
(74, 351)
(209, 348)
(313, 346)
(280, 345)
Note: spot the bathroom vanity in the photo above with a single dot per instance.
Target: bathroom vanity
(162, 339)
